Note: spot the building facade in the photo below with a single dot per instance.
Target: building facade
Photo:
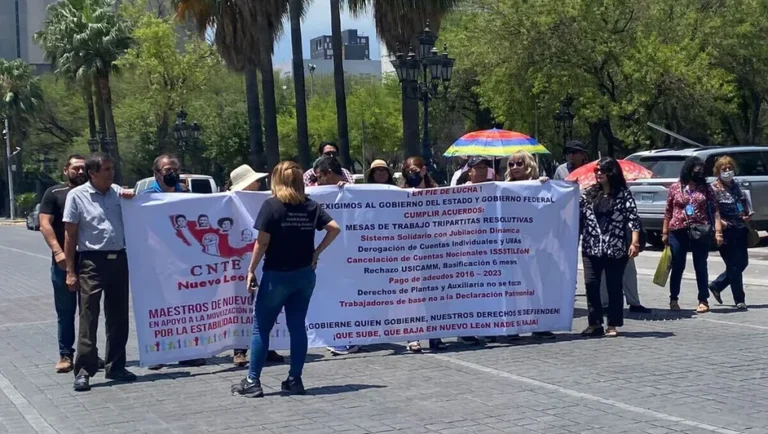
(354, 46)
(19, 20)
(370, 68)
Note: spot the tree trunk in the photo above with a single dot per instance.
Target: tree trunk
(114, 151)
(338, 79)
(594, 140)
(99, 107)
(754, 119)
(299, 87)
(255, 134)
(410, 108)
(268, 89)
(88, 100)
(611, 140)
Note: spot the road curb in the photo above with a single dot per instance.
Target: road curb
(16, 223)
(691, 276)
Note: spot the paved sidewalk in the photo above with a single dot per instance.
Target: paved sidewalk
(667, 373)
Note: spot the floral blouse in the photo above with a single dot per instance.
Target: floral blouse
(679, 198)
(608, 239)
(732, 203)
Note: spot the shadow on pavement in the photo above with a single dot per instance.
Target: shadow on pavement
(149, 378)
(334, 390)
(660, 315)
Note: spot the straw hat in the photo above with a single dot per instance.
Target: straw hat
(375, 165)
(244, 176)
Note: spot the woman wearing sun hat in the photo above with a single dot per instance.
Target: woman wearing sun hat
(379, 173)
(244, 178)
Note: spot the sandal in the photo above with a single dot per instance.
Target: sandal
(703, 308)
(611, 332)
(414, 347)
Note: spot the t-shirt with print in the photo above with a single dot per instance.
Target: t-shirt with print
(292, 233)
(52, 204)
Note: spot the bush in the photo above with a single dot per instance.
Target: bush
(25, 203)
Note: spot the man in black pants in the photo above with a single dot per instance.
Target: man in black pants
(94, 250)
(52, 228)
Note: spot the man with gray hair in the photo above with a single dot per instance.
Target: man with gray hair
(166, 169)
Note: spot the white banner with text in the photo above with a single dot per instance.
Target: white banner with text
(476, 260)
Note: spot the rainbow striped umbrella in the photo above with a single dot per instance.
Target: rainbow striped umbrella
(494, 143)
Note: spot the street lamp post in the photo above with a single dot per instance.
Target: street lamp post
(102, 141)
(46, 162)
(182, 131)
(421, 77)
(93, 145)
(11, 198)
(312, 68)
(564, 119)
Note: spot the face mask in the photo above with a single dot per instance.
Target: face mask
(171, 179)
(414, 179)
(727, 176)
(698, 178)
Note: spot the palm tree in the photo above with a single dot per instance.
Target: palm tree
(297, 9)
(338, 80)
(86, 37)
(20, 96)
(53, 47)
(399, 23)
(244, 34)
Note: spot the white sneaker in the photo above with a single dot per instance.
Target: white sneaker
(741, 306)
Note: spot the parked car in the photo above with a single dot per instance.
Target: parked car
(196, 183)
(651, 194)
(33, 219)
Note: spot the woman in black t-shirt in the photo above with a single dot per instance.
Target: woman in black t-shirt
(286, 223)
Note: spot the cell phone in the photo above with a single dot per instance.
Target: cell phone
(254, 286)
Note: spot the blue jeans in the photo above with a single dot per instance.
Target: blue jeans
(291, 290)
(65, 302)
(680, 244)
(736, 258)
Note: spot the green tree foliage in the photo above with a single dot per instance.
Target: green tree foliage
(157, 81)
(20, 98)
(375, 126)
(625, 62)
(84, 39)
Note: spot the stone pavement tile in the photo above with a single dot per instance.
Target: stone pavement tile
(692, 368)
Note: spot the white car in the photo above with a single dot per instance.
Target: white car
(33, 219)
(196, 183)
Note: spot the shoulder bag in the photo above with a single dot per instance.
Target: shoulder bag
(701, 234)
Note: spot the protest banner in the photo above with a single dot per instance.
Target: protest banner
(475, 260)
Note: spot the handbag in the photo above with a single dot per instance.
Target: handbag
(753, 238)
(701, 234)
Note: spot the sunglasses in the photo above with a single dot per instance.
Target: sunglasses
(598, 171)
(330, 154)
(512, 164)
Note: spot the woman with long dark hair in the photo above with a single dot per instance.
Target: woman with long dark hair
(607, 212)
(287, 223)
(689, 219)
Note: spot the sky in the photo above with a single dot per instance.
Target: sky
(318, 22)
